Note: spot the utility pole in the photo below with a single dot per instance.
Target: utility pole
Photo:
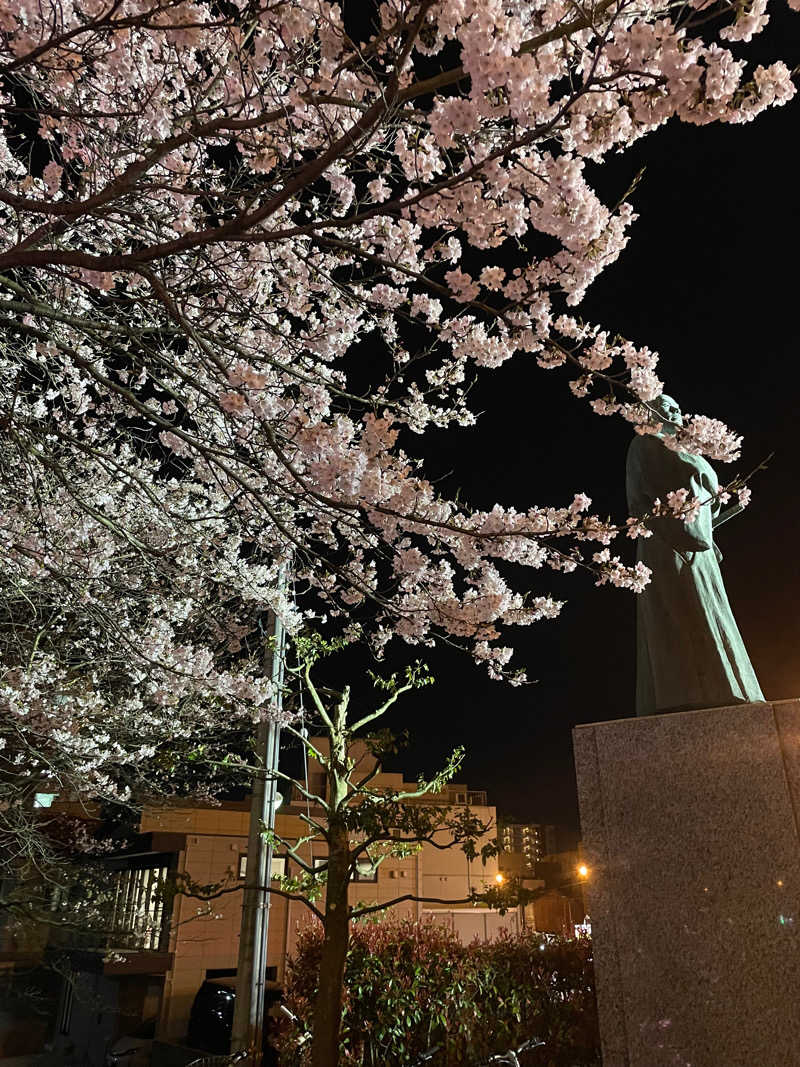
(251, 972)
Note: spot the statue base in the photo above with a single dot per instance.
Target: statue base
(690, 832)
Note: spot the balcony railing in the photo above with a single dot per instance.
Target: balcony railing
(139, 916)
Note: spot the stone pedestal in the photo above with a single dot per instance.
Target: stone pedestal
(690, 831)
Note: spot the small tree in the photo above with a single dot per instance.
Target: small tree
(356, 820)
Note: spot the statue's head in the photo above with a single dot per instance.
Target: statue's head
(668, 411)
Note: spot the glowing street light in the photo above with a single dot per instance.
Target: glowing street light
(499, 878)
(583, 871)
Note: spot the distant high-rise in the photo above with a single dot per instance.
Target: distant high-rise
(532, 839)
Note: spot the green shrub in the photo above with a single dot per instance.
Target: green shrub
(412, 985)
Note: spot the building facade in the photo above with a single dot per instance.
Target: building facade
(159, 952)
(533, 840)
(215, 846)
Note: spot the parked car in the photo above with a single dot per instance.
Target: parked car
(211, 1018)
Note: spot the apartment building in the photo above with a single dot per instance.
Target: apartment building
(214, 848)
(532, 840)
(158, 954)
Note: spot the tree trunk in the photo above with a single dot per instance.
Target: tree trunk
(328, 1003)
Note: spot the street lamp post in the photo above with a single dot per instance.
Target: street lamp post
(251, 971)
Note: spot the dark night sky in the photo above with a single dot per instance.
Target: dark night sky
(710, 281)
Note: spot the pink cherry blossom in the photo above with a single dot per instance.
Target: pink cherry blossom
(257, 266)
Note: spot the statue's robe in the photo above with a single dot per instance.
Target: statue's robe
(689, 652)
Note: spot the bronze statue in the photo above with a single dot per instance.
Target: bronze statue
(689, 652)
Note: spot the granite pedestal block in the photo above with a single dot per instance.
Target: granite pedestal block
(690, 831)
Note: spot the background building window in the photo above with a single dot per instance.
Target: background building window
(365, 871)
(279, 865)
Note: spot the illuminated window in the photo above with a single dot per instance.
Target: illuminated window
(279, 866)
(365, 871)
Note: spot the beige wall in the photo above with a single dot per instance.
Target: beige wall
(216, 837)
(481, 924)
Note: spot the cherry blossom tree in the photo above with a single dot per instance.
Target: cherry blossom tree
(250, 253)
(125, 673)
(246, 250)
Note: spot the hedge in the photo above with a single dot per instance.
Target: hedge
(412, 985)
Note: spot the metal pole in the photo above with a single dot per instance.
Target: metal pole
(251, 971)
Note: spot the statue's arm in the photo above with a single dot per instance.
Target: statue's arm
(701, 530)
(655, 471)
(695, 536)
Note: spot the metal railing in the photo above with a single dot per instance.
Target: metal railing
(218, 1061)
(510, 1057)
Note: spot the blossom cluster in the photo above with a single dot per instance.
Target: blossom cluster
(245, 261)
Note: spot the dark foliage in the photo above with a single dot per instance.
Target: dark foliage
(412, 985)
